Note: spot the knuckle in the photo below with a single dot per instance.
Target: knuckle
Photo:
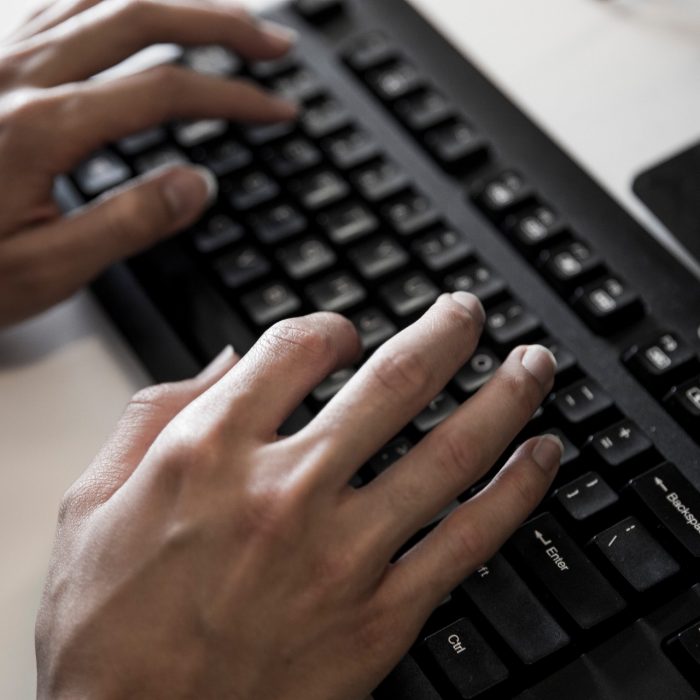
(467, 546)
(401, 372)
(25, 110)
(457, 455)
(152, 397)
(272, 512)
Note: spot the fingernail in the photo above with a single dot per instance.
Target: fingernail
(286, 109)
(548, 452)
(189, 190)
(219, 363)
(279, 36)
(472, 304)
(540, 363)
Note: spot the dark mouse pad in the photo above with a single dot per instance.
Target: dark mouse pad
(672, 191)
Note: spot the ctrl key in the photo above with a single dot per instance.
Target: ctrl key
(465, 659)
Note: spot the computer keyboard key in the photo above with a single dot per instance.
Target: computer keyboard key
(350, 148)
(101, 172)
(134, 144)
(318, 10)
(212, 60)
(215, 233)
(299, 85)
(336, 292)
(374, 328)
(661, 361)
(534, 228)
(442, 249)
(684, 404)
(378, 257)
(223, 157)
(608, 305)
(570, 264)
(389, 454)
(438, 410)
(511, 608)
(510, 324)
(324, 116)
(586, 496)
(455, 145)
(277, 223)
(162, 157)
(423, 110)
(621, 449)
(566, 360)
(499, 196)
(553, 558)
(189, 134)
(397, 79)
(637, 558)
(685, 649)
(478, 279)
(320, 189)
(330, 386)
(273, 302)
(379, 180)
(410, 294)
(241, 266)
(571, 452)
(674, 502)
(348, 222)
(406, 682)
(480, 368)
(582, 403)
(369, 50)
(249, 189)
(469, 664)
(306, 258)
(291, 156)
(409, 213)
(261, 134)
(265, 70)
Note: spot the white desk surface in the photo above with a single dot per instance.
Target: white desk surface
(615, 83)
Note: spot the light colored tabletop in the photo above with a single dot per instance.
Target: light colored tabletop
(615, 83)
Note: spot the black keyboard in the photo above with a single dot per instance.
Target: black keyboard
(409, 174)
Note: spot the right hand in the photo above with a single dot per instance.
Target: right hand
(52, 116)
(204, 556)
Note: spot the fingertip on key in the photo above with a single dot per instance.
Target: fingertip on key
(548, 453)
(472, 304)
(540, 363)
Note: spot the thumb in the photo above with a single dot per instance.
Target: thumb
(146, 416)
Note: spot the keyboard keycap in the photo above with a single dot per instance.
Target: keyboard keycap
(224, 157)
(271, 303)
(350, 148)
(277, 223)
(510, 324)
(586, 496)
(608, 305)
(423, 110)
(135, 144)
(291, 156)
(212, 60)
(685, 647)
(621, 449)
(249, 190)
(318, 10)
(323, 117)
(261, 134)
(639, 560)
(571, 452)
(438, 410)
(298, 85)
(216, 232)
(162, 157)
(455, 145)
(442, 249)
(511, 608)
(320, 189)
(379, 180)
(241, 266)
(566, 360)
(477, 279)
(332, 385)
(661, 361)
(674, 502)
(556, 561)
(582, 404)
(684, 404)
(394, 80)
(409, 294)
(570, 264)
(480, 368)
(368, 51)
(406, 682)
(502, 194)
(101, 172)
(378, 257)
(533, 228)
(410, 213)
(305, 258)
(348, 222)
(374, 328)
(337, 292)
(189, 134)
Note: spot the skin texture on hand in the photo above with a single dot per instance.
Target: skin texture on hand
(204, 556)
(52, 117)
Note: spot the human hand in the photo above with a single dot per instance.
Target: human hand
(203, 556)
(52, 117)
